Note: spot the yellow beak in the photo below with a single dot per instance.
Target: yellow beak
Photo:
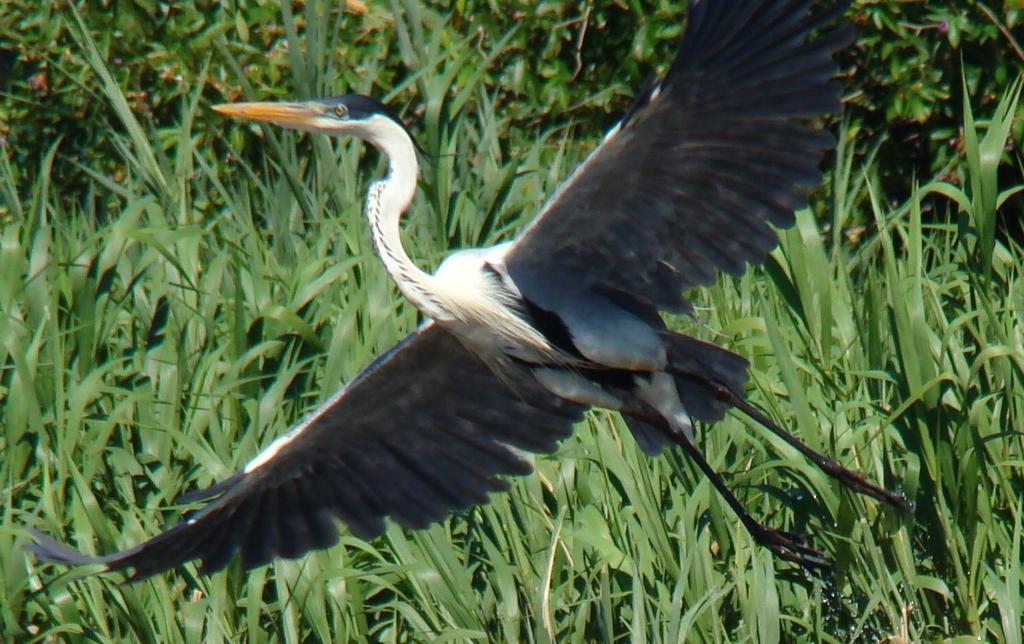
(285, 114)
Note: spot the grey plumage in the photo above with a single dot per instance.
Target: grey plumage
(689, 184)
(382, 447)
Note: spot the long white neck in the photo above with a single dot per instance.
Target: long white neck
(462, 295)
(386, 202)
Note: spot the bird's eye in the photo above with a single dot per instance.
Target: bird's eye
(340, 111)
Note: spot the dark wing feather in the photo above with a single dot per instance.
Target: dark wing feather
(424, 430)
(700, 165)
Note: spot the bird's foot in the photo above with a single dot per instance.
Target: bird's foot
(858, 482)
(791, 546)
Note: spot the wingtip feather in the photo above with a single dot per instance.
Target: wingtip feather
(46, 548)
(210, 492)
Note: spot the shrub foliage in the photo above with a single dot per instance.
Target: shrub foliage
(568, 61)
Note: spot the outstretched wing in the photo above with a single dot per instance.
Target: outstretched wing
(424, 430)
(687, 183)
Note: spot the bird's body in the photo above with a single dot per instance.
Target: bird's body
(522, 337)
(473, 296)
(467, 295)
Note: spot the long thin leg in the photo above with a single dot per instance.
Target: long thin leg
(786, 545)
(856, 481)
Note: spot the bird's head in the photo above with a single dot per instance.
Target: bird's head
(353, 114)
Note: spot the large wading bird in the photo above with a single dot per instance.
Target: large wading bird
(522, 337)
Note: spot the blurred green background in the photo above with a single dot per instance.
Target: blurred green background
(550, 64)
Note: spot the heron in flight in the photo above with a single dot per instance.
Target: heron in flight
(523, 337)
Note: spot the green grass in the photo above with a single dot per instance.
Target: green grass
(162, 328)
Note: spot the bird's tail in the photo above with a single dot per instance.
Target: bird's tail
(710, 381)
(702, 371)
